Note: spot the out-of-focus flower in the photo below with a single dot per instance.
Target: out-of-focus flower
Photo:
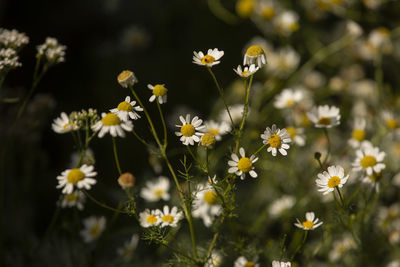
(205, 204)
(126, 251)
(149, 218)
(63, 124)
(297, 135)
(281, 264)
(236, 112)
(280, 205)
(94, 226)
(217, 129)
(340, 247)
(170, 217)
(244, 8)
(126, 180)
(154, 191)
(243, 262)
(324, 116)
(288, 98)
(215, 260)
(358, 134)
(282, 62)
(390, 120)
(52, 51)
(286, 22)
(75, 199)
(8, 60)
(13, 39)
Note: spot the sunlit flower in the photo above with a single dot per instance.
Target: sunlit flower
(217, 129)
(369, 159)
(190, 131)
(297, 135)
(154, 191)
(281, 264)
(94, 226)
(76, 178)
(324, 116)
(286, 22)
(288, 98)
(277, 139)
(159, 92)
(331, 179)
(310, 223)
(247, 71)
(243, 262)
(169, 218)
(75, 199)
(149, 218)
(63, 124)
(126, 251)
(280, 205)
(127, 78)
(358, 134)
(255, 55)
(243, 165)
(205, 204)
(210, 59)
(127, 108)
(111, 123)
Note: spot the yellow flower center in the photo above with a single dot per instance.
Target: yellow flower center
(308, 224)
(207, 59)
(75, 175)
(245, 73)
(210, 197)
(254, 51)
(168, 219)
(375, 177)
(159, 192)
(292, 131)
(187, 130)
(125, 106)
(213, 131)
(249, 264)
(125, 75)
(324, 121)
(289, 103)
(110, 119)
(358, 134)
(95, 230)
(207, 139)
(151, 219)
(368, 161)
(333, 182)
(67, 125)
(244, 164)
(268, 12)
(159, 90)
(71, 197)
(294, 27)
(392, 124)
(274, 141)
(244, 8)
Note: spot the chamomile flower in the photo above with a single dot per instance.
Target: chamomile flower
(63, 124)
(324, 116)
(243, 165)
(126, 251)
(111, 123)
(247, 71)
(389, 118)
(217, 129)
(76, 178)
(190, 130)
(358, 134)
(297, 135)
(255, 55)
(159, 92)
(369, 159)
(75, 199)
(281, 264)
(126, 109)
(210, 59)
(286, 22)
(288, 98)
(310, 223)
(154, 191)
(169, 217)
(373, 180)
(205, 204)
(281, 205)
(277, 139)
(331, 179)
(127, 78)
(149, 218)
(94, 226)
(243, 262)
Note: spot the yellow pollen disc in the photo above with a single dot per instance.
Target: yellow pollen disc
(268, 12)
(245, 73)
(294, 27)
(291, 131)
(307, 224)
(249, 264)
(255, 51)
(67, 125)
(151, 219)
(187, 130)
(358, 134)
(111, 119)
(214, 131)
(375, 177)
(244, 8)
(159, 90)
(368, 161)
(333, 182)
(210, 197)
(289, 103)
(125, 106)
(324, 121)
(75, 175)
(71, 197)
(168, 219)
(244, 164)
(274, 141)
(392, 124)
(94, 231)
(159, 192)
(207, 139)
(123, 76)
(207, 59)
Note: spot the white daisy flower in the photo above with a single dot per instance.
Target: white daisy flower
(215, 260)
(297, 135)
(331, 179)
(358, 134)
(169, 218)
(281, 264)
(205, 204)
(127, 108)
(75, 199)
(126, 251)
(280, 205)
(373, 180)
(94, 226)
(288, 98)
(236, 113)
(286, 22)
(190, 130)
(79, 178)
(210, 59)
(243, 165)
(111, 123)
(159, 92)
(217, 129)
(369, 159)
(154, 191)
(243, 262)
(310, 223)
(127, 78)
(390, 120)
(63, 124)
(277, 139)
(255, 55)
(247, 71)
(324, 116)
(149, 218)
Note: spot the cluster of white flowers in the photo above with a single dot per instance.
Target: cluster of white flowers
(13, 39)
(52, 51)
(8, 59)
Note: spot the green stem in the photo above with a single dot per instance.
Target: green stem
(53, 221)
(341, 197)
(116, 156)
(164, 125)
(102, 204)
(329, 147)
(165, 244)
(300, 245)
(261, 148)
(139, 138)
